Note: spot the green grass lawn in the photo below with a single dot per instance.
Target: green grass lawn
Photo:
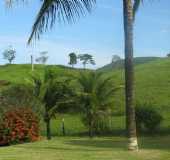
(73, 148)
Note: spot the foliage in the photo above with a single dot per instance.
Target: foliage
(73, 59)
(9, 54)
(52, 92)
(86, 59)
(18, 125)
(43, 57)
(67, 10)
(168, 55)
(20, 95)
(96, 97)
(148, 118)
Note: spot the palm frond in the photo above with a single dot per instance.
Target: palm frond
(63, 10)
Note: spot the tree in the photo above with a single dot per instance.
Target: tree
(86, 59)
(73, 59)
(43, 57)
(68, 10)
(96, 98)
(168, 55)
(115, 58)
(9, 54)
(51, 92)
(129, 10)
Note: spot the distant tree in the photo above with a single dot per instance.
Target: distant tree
(115, 58)
(168, 55)
(43, 57)
(73, 59)
(9, 54)
(86, 59)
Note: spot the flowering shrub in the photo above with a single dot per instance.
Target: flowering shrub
(18, 125)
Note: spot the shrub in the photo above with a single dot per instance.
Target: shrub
(18, 125)
(19, 95)
(100, 124)
(148, 118)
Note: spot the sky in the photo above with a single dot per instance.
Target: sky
(99, 33)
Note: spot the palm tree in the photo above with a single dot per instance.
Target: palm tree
(96, 99)
(69, 10)
(51, 92)
(129, 11)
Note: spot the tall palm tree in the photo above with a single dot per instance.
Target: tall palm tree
(129, 10)
(68, 11)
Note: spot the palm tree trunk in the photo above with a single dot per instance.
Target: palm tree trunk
(48, 128)
(90, 130)
(47, 121)
(129, 76)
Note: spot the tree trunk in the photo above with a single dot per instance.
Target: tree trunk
(84, 66)
(63, 127)
(129, 75)
(48, 127)
(90, 129)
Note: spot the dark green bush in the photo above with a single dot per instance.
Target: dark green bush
(19, 95)
(148, 118)
(100, 123)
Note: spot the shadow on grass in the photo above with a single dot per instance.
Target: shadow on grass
(96, 144)
(158, 143)
(100, 143)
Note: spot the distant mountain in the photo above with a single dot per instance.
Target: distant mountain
(120, 64)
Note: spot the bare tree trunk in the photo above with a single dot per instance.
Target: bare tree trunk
(129, 75)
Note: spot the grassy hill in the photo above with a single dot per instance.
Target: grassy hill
(152, 82)
(120, 64)
(20, 73)
(152, 85)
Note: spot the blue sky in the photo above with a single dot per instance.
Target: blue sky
(99, 33)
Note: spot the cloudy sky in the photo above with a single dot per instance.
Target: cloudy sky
(99, 33)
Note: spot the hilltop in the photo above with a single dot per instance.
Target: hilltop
(120, 63)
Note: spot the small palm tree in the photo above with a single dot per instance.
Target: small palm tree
(96, 97)
(51, 92)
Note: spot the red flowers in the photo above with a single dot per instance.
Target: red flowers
(19, 125)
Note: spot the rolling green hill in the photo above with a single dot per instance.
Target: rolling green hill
(152, 84)
(19, 73)
(152, 80)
